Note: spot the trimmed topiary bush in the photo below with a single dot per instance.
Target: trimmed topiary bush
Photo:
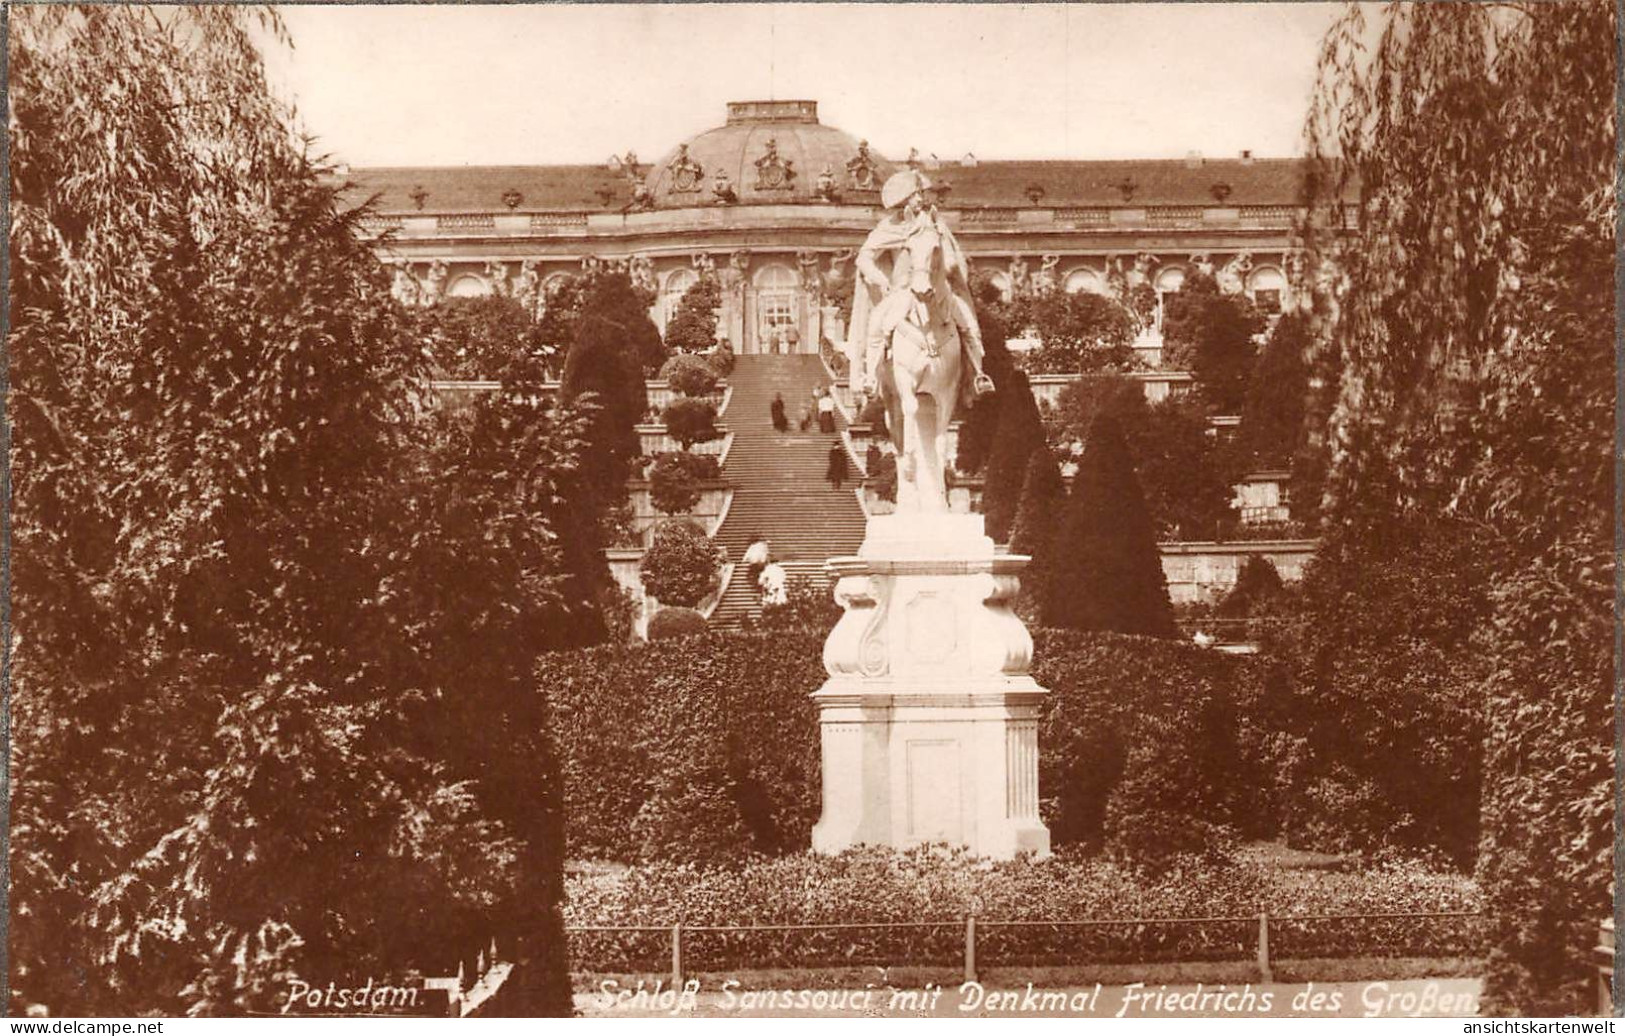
(1020, 432)
(721, 360)
(693, 327)
(682, 564)
(1135, 725)
(1108, 572)
(675, 480)
(691, 375)
(1043, 499)
(690, 421)
(665, 733)
(671, 623)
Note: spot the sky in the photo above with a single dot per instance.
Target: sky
(457, 84)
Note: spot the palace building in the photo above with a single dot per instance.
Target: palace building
(775, 202)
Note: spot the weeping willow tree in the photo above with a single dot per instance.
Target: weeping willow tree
(271, 639)
(1461, 257)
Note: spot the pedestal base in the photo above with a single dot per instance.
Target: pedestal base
(905, 767)
(929, 723)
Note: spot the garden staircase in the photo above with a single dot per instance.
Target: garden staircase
(779, 490)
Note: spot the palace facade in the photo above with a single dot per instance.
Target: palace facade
(775, 202)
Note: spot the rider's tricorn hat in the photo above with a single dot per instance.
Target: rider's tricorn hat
(902, 186)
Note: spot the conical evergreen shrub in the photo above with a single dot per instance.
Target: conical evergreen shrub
(1107, 572)
(1019, 433)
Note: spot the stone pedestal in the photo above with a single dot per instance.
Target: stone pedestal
(929, 721)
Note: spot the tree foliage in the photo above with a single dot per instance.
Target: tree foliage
(1469, 328)
(603, 365)
(691, 421)
(1186, 474)
(681, 566)
(1385, 645)
(1212, 332)
(1108, 573)
(490, 336)
(1020, 432)
(227, 651)
(690, 375)
(982, 419)
(693, 328)
(1272, 414)
(1080, 332)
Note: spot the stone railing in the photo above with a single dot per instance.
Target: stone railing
(662, 394)
(1158, 385)
(709, 511)
(466, 221)
(654, 439)
(1205, 572)
(658, 391)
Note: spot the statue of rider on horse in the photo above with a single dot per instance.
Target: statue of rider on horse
(914, 337)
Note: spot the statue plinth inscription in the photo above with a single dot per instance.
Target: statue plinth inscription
(929, 719)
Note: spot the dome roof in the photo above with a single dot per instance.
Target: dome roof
(768, 153)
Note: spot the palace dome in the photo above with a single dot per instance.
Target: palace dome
(768, 153)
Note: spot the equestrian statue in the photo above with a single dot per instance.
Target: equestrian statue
(914, 339)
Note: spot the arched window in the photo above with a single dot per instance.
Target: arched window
(777, 308)
(1266, 284)
(1084, 279)
(467, 286)
(677, 282)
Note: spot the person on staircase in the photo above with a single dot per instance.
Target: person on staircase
(836, 472)
(826, 412)
(781, 422)
(756, 556)
(772, 583)
(806, 416)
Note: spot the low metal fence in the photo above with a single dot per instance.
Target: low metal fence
(973, 942)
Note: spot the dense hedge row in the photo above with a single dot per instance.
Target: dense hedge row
(703, 747)
(940, 887)
(706, 748)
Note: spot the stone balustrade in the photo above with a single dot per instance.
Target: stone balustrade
(1205, 572)
(654, 439)
(708, 511)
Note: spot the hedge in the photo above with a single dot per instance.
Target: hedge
(670, 623)
(691, 375)
(707, 748)
(938, 886)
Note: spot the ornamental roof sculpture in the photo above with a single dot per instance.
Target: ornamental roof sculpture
(773, 171)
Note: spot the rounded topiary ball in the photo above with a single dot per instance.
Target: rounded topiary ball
(669, 623)
(690, 375)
